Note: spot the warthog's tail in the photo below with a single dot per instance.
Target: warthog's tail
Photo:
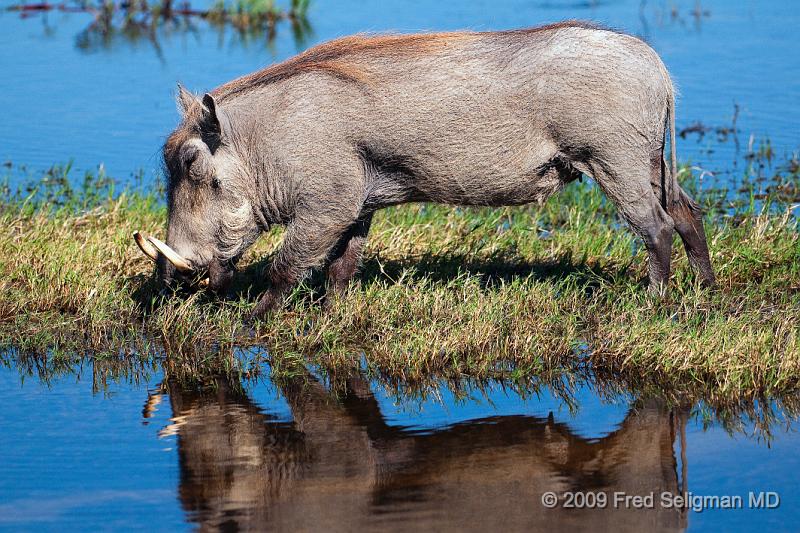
(669, 184)
(673, 159)
(674, 195)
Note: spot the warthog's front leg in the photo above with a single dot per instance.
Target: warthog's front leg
(345, 257)
(308, 242)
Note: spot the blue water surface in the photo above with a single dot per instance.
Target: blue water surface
(111, 103)
(78, 455)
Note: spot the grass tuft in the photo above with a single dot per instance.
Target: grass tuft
(450, 292)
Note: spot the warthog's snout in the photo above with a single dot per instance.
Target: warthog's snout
(179, 269)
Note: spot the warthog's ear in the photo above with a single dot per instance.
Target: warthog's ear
(184, 99)
(214, 122)
(210, 121)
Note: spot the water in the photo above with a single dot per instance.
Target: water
(143, 454)
(66, 97)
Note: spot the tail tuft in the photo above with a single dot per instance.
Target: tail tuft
(673, 159)
(687, 202)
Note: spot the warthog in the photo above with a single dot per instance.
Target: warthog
(323, 140)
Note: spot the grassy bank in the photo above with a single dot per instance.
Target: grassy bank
(507, 292)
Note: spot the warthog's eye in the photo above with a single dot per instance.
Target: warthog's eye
(188, 158)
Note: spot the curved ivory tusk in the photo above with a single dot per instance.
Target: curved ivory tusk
(179, 262)
(145, 246)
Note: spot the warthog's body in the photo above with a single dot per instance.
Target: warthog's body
(323, 140)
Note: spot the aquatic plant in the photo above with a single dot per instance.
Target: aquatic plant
(140, 19)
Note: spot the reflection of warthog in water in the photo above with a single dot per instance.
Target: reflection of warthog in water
(340, 466)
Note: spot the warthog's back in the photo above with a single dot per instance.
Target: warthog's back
(469, 117)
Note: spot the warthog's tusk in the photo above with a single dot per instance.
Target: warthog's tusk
(179, 262)
(145, 246)
(150, 246)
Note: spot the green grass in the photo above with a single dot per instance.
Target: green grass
(483, 293)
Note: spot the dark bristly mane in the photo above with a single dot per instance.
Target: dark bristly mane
(335, 57)
(584, 24)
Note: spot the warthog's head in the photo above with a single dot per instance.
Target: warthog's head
(209, 196)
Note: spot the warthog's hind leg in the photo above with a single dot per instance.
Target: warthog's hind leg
(628, 186)
(688, 221)
(689, 224)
